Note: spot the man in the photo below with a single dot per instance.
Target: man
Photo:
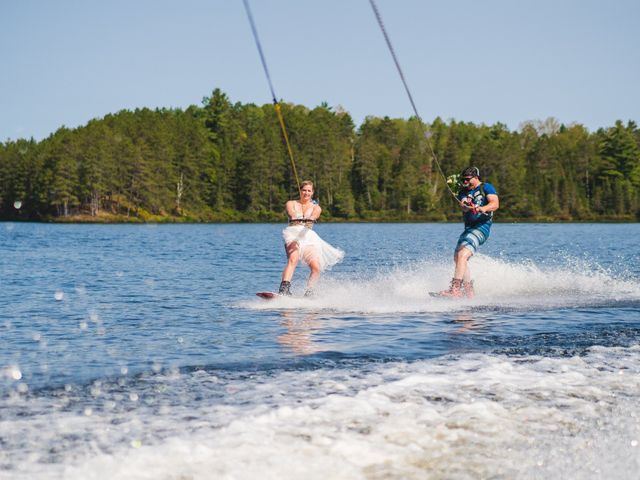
(478, 201)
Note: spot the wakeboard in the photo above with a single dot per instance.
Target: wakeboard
(444, 296)
(437, 294)
(268, 295)
(273, 295)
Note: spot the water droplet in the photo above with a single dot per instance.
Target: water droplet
(136, 443)
(59, 295)
(88, 412)
(17, 204)
(634, 443)
(13, 372)
(124, 370)
(133, 397)
(83, 325)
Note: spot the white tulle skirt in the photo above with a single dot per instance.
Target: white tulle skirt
(311, 246)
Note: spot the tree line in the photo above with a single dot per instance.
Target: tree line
(224, 162)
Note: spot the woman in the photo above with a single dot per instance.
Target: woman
(301, 242)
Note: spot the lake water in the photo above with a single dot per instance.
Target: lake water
(141, 352)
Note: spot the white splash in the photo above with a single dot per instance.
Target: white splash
(474, 416)
(498, 284)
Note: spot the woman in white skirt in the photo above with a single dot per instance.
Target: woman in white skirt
(301, 242)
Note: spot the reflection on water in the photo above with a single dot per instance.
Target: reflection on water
(298, 338)
(467, 322)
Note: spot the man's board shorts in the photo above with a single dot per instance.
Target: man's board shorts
(474, 236)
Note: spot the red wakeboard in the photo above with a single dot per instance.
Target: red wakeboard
(268, 295)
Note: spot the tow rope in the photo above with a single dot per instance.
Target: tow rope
(406, 87)
(273, 93)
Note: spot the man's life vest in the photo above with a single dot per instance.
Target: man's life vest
(479, 198)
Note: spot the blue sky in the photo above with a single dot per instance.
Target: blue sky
(65, 62)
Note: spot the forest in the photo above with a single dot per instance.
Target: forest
(227, 162)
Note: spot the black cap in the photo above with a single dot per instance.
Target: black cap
(470, 172)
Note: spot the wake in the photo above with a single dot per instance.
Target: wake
(499, 285)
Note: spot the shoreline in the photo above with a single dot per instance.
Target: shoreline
(121, 220)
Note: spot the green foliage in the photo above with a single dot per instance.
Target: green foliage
(225, 162)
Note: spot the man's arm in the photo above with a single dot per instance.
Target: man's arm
(492, 206)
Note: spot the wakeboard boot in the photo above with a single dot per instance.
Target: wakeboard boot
(468, 289)
(285, 288)
(454, 290)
